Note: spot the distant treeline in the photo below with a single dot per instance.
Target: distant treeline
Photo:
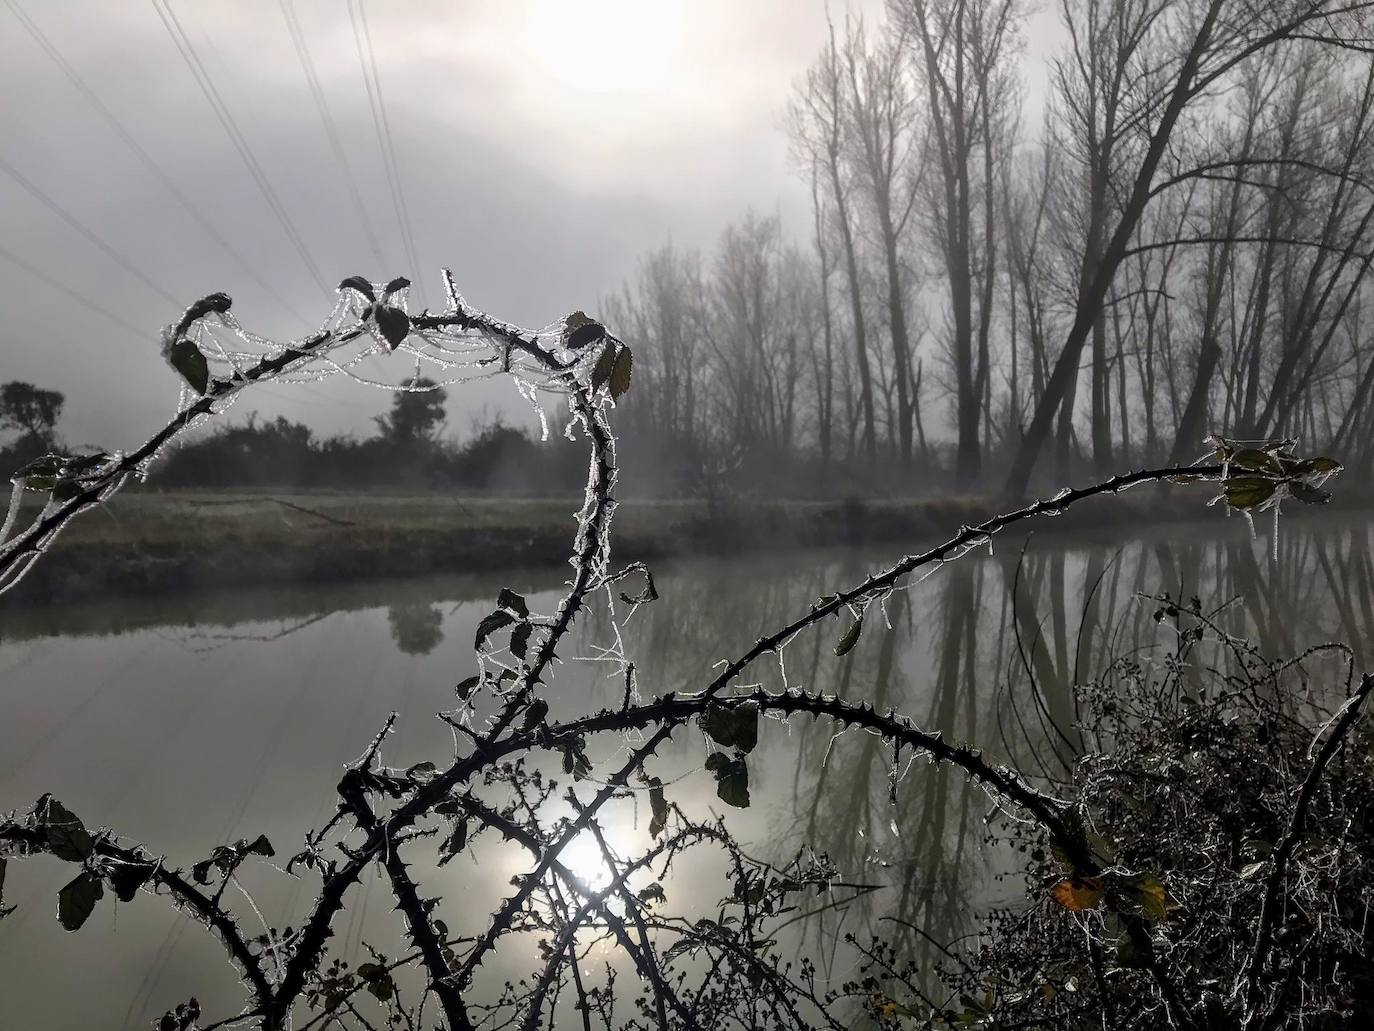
(409, 450)
(497, 457)
(282, 453)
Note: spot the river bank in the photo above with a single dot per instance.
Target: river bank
(158, 542)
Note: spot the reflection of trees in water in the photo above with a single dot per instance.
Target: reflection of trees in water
(416, 629)
(985, 651)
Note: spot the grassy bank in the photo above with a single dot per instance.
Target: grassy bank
(182, 541)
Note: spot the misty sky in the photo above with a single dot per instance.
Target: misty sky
(542, 147)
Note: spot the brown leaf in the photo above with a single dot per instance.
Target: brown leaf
(1077, 894)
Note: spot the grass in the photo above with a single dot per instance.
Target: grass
(179, 540)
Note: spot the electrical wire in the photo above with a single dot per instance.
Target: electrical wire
(367, 58)
(91, 236)
(331, 129)
(236, 138)
(80, 298)
(148, 161)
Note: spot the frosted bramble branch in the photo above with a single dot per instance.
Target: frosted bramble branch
(382, 814)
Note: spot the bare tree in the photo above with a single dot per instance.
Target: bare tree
(962, 55)
(884, 134)
(817, 122)
(1166, 58)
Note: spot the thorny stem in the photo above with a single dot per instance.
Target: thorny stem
(1336, 730)
(384, 832)
(182, 891)
(422, 931)
(19, 552)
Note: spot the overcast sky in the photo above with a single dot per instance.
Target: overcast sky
(541, 146)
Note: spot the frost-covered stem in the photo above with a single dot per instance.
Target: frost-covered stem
(597, 899)
(589, 554)
(593, 544)
(422, 931)
(183, 892)
(593, 901)
(17, 554)
(968, 536)
(670, 711)
(1336, 730)
(632, 907)
(513, 905)
(591, 549)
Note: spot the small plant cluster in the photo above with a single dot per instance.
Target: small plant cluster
(1239, 842)
(1205, 867)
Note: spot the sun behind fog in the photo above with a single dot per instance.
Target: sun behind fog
(606, 45)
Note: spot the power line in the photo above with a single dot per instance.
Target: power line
(149, 162)
(80, 298)
(89, 234)
(373, 81)
(236, 137)
(331, 129)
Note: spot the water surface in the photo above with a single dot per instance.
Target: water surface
(188, 722)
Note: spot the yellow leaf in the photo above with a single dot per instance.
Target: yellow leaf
(1078, 893)
(891, 1008)
(1147, 891)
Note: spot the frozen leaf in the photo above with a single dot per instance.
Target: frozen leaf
(575, 759)
(127, 878)
(77, 900)
(1078, 893)
(620, 373)
(67, 837)
(520, 639)
(535, 714)
(423, 772)
(1244, 492)
(581, 330)
(508, 599)
(1252, 870)
(1252, 458)
(1320, 464)
(889, 1008)
(732, 780)
(186, 358)
(850, 638)
(1308, 494)
(378, 980)
(464, 690)
(605, 365)
(577, 764)
(68, 489)
(490, 625)
(396, 285)
(457, 841)
(658, 803)
(359, 284)
(732, 725)
(1146, 891)
(393, 323)
(1128, 956)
